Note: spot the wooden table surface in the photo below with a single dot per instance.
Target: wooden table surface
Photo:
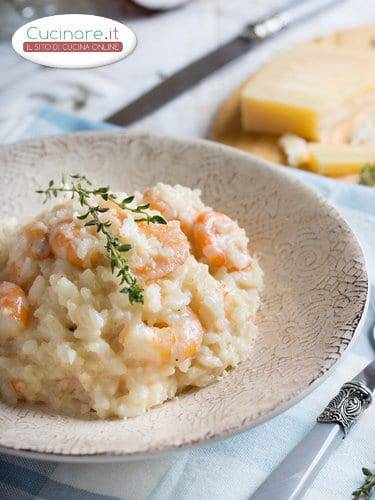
(165, 43)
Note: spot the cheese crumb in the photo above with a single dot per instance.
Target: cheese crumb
(295, 149)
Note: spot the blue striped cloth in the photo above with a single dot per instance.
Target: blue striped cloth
(233, 468)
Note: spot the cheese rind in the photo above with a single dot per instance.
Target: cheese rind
(329, 159)
(307, 90)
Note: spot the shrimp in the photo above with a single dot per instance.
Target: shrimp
(221, 241)
(158, 204)
(65, 240)
(175, 203)
(14, 308)
(32, 246)
(115, 214)
(173, 252)
(18, 386)
(37, 240)
(169, 343)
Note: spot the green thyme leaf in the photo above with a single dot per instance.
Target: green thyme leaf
(157, 219)
(80, 187)
(125, 247)
(367, 176)
(365, 491)
(127, 200)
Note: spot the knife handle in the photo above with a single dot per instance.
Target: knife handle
(291, 479)
(294, 12)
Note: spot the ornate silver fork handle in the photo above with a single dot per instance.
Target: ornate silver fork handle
(346, 408)
(292, 477)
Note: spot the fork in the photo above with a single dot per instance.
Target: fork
(293, 476)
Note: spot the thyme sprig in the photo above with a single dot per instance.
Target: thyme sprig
(365, 491)
(79, 186)
(367, 175)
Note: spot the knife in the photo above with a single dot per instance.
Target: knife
(292, 477)
(192, 74)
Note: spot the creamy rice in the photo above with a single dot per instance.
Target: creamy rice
(82, 347)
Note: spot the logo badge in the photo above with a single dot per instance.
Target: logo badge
(74, 41)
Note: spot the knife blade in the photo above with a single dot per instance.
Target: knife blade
(292, 477)
(193, 73)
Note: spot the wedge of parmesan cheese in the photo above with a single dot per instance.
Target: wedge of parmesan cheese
(343, 159)
(310, 91)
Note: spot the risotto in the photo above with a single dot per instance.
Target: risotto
(116, 315)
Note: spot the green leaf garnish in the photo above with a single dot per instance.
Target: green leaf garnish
(365, 491)
(367, 176)
(80, 187)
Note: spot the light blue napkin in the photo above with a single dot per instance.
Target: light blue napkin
(233, 468)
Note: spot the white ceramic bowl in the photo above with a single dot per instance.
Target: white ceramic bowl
(315, 288)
